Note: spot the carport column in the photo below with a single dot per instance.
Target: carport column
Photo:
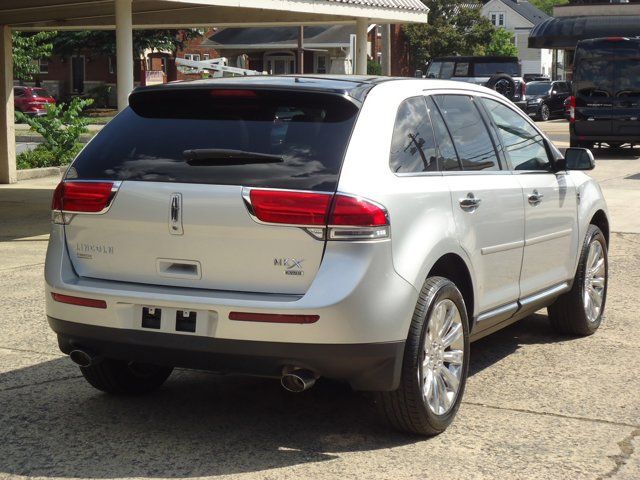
(7, 128)
(124, 51)
(385, 58)
(361, 46)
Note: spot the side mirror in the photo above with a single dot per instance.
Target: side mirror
(579, 159)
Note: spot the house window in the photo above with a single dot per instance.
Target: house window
(163, 60)
(44, 65)
(112, 65)
(192, 56)
(497, 19)
(205, 56)
(321, 64)
(148, 64)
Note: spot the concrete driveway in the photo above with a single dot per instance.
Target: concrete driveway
(537, 405)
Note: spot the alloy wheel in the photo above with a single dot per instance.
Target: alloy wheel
(443, 357)
(594, 281)
(544, 112)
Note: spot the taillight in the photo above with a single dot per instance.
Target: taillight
(80, 301)
(523, 89)
(81, 197)
(345, 217)
(572, 109)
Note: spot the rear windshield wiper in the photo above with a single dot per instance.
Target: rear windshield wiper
(224, 156)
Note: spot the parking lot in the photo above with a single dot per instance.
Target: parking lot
(537, 405)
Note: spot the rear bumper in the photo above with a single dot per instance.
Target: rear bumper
(368, 366)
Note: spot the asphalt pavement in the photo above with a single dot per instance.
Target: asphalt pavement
(537, 405)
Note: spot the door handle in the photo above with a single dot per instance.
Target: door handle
(469, 203)
(535, 198)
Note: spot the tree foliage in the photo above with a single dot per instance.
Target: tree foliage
(454, 28)
(103, 42)
(502, 43)
(27, 50)
(61, 128)
(547, 5)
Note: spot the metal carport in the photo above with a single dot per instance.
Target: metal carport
(126, 15)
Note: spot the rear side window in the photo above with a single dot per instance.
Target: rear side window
(469, 132)
(260, 138)
(523, 144)
(488, 69)
(447, 157)
(412, 145)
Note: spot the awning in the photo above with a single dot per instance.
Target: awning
(564, 32)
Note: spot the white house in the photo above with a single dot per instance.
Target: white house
(519, 17)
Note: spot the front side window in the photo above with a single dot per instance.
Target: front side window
(469, 132)
(412, 145)
(523, 144)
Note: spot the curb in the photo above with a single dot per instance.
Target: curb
(31, 173)
(35, 138)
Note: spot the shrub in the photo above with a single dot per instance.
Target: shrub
(41, 157)
(100, 95)
(373, 68)
(61, 128)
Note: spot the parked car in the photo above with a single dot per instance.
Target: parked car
(501, 74)
(535, 77)
(31, 100)
(546, 99)
(605, 104)
(360, 245)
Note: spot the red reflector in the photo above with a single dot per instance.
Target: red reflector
(572, 109)
(293, 208)
(90, 197)
(83, 302)
(273, 317)
(352, 211)
(233, 93)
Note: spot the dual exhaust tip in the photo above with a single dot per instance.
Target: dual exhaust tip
(292, 380)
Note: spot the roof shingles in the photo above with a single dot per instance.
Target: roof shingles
(413, 5)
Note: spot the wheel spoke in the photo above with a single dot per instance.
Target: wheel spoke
(454, 334)
(453, 357)
(450, 378)
(435, 394)
(427, 385)
(443, 398)
(437, 318)
(597, 282)
(598, 268)
(596, 298)
(450, 313)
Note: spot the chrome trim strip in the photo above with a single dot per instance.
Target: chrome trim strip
(503, 247)
(549, 292)
(547, 237)
(508, 308)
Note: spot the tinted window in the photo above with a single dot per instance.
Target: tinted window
(412, 145)
(462, 69)
(39, 92)
(561, 87)
(538, 88)
(523, 144)
(469, 133)
(594, 78)
(447, 157)
(487, 69)
(18, 92)
(447, 70)
(305, 135)
(434, 70)
(627, 78)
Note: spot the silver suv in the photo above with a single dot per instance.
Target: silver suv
(358, 229)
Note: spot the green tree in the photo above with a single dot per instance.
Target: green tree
(453, 28)
(104, 42)
(27, 50)
(502, 43)
(547, 5)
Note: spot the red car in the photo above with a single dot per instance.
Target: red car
(31, 100)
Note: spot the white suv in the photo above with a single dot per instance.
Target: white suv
(359, 229)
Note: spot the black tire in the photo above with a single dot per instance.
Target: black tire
(503, 84)
(568, 313)
(545, 112)
(406, 408)
(125, 378)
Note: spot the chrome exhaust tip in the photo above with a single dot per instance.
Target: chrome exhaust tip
(297, 381)
(82, 358)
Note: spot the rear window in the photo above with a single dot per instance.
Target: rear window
(284, 139)
(538, 88)
(594, 78)
(488, 69)
(39, 92)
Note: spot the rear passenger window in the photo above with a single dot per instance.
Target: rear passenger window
(523, 144)
(412, 145)
(470, 135)
(447, 157)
